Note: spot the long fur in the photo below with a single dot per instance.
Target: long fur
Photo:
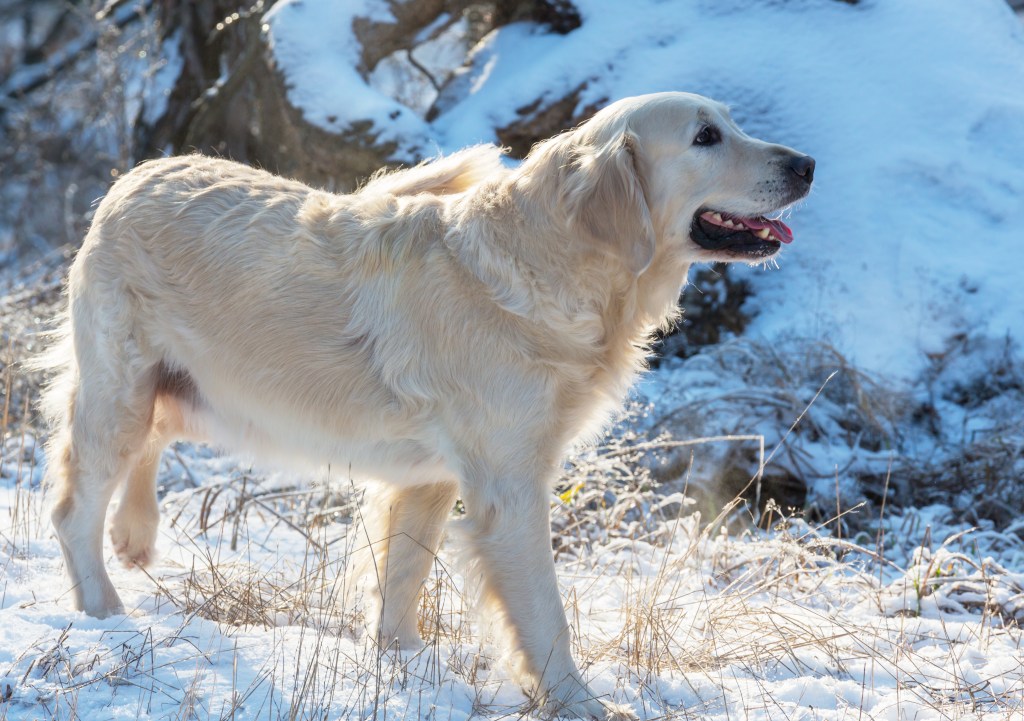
(449, 330)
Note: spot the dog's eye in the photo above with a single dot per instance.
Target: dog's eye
(708, 135)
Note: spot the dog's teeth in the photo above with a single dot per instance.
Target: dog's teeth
(717, 217)
(740, 226)
(764, 234)
(729, 224)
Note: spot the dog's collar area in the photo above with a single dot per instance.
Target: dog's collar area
(756, 237)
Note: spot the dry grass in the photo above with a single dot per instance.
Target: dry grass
(748, 388)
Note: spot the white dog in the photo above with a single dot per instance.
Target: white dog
(450, 330)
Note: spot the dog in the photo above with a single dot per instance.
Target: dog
(451, 330)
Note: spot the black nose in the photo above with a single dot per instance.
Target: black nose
(803, 165)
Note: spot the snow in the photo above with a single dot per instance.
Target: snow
(702, 624)
(313, 42)
(915, 113)
(397, 77)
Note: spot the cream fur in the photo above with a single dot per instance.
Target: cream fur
(451, 329)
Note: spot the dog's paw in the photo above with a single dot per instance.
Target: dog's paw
(134, 539)
(400, 643)
(618, 712)
(593, 708)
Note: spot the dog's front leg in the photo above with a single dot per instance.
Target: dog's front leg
(510, 531)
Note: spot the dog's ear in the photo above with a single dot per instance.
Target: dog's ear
(606, 198)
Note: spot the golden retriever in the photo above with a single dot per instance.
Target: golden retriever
(450, 330)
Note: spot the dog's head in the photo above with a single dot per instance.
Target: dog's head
(673, 171)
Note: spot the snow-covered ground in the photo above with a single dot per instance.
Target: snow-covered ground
(242, 616)
(915, 113)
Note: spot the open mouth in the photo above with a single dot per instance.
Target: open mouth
(755, 237)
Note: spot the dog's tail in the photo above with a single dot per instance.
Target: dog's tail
(57, 397)
(445, 175)
(57, 360)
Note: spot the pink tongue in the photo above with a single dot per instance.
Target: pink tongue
(778, 228)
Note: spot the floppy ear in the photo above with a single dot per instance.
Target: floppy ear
(606, 199)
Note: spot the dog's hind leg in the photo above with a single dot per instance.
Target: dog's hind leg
(134, 524)
(108, 390)
(404, 528)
